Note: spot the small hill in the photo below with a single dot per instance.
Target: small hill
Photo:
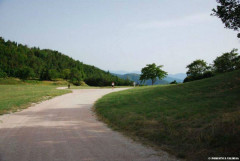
(135, 77)
(193, 120)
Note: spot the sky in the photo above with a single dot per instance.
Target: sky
(120, 34)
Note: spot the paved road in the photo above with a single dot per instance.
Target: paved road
(65, 129)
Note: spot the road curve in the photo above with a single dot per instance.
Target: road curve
(65, 129)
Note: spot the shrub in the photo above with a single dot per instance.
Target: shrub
(3, 74)
(26, 73)
(174, 82)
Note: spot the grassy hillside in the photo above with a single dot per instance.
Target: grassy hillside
(193, 120)
(15, 97)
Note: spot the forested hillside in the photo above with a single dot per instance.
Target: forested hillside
(17, 60)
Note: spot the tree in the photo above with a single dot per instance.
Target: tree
(45, 74)
(3, 74)
(174, 82)
(76, 76)
(14, 57)
(25, 73)
(227, 62)
(66, 74)
(198, 69)
(229, 12)
(152, 71)
(53, 74)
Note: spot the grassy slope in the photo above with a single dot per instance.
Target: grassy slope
(192, 120)
(14, 97)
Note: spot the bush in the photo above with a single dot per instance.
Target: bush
(26, 73)
(53, 74)
(174, 82)
(3, 74)
(207, 74)
(227, 62)
(45, 75)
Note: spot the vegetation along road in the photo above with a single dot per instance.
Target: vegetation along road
(65, 128)
(193, 120)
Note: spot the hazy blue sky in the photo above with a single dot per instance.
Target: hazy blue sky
(120, 35)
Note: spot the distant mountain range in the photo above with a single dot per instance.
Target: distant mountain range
(122, 72)
(181, 76)
(135, 77)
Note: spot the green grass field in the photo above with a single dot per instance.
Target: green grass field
(194, 120)
(15, 97)
(17, 94)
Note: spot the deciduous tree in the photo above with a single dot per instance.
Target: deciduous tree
(197, 67)
(152, 71)
(229, 12)
(227, 62)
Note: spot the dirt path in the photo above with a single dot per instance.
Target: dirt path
(65, 129)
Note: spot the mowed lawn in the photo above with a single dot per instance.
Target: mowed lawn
(15, 97)
(195, 120)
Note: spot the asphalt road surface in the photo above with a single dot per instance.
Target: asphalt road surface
(66, 129)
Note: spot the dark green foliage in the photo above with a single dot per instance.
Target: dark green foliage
(152, 71)
(76, 76)
(3, 74)
(174, 82)
(53, 74)
(229, 12)
(227, 62)
(198, 69)
(66, 74)
(26, 73)
(48, 65)
(45, 74)
(206, 74)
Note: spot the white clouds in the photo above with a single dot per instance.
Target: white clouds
(179, 22)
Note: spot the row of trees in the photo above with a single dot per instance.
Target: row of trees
(229, 12)
(199, 69)
(17, 60)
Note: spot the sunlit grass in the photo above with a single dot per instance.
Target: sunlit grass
(192, 120)
(15, 97)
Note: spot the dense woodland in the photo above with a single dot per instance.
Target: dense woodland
(17, 60)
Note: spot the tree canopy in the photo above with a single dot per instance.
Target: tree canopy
(17, 60)
(227, 62)
(152, 71)
(198, 69)
(229, 12)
